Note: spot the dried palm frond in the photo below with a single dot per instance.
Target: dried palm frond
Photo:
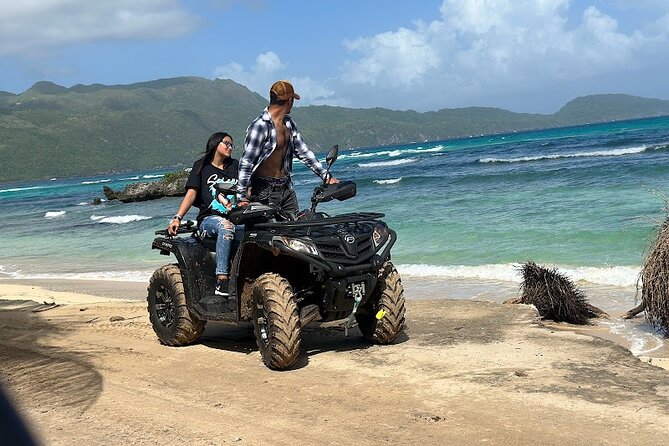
(655, 280)
(555, 296)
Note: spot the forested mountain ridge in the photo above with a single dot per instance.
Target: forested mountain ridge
(53, 131)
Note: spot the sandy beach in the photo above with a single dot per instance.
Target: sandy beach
(91, 371)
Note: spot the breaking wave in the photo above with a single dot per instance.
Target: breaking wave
(390, 181)
(615, 152)
(54, 214)
(613, 275)
(106, 180)
(388, 163)
(19, 189)
(119, 219)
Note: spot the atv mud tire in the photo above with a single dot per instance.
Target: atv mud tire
(276, 321)
(168, 313)
(381, 319)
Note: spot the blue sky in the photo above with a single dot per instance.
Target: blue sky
(522, 55)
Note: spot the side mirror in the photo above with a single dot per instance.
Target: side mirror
(332, 155)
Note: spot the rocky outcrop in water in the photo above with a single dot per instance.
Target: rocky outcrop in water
(171, 185)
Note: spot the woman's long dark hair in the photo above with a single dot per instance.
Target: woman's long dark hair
(212, 143)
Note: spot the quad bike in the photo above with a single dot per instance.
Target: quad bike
(286, 272)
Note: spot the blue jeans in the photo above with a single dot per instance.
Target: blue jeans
(223, 231)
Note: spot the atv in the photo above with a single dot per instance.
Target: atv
(286, 271)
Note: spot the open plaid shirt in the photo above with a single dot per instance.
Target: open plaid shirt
(260, 142)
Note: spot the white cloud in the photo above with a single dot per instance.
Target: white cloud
(268, 68)
(312, 92)
(259, 77)
(479, 48)
(34, 26)
(395, 58)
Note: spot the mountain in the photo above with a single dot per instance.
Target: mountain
(53, 131)
(609, 107)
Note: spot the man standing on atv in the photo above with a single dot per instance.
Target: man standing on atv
(272, 140)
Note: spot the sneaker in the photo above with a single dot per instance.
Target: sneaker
(222, 288)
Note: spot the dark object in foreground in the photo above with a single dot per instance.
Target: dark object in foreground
(655, 281)
(555, 296)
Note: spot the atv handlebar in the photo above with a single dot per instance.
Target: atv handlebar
(184, 227)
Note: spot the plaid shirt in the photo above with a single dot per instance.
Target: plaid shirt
(259, 144)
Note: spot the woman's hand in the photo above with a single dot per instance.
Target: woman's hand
(186, 203)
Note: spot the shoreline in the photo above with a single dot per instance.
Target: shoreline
(94, 290)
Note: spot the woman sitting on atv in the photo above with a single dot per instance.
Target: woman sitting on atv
(216, 166)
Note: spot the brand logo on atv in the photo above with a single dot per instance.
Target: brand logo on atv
(348, 238)
(357, 290)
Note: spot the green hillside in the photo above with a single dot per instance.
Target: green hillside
(53, 131)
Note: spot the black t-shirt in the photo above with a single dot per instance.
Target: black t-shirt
(208, 176)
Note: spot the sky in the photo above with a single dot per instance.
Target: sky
(528, 56)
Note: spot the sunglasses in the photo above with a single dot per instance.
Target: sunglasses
(228, 144)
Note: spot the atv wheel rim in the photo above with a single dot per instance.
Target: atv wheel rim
(164, 307)
(262, 325)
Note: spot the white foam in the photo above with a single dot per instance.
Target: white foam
(118, 276)
(87, 203)
(390, 181)
(388, 163)
(393, 153)
(640, 343)
(614, 152)
(612, 275)
(19, 189)
(106, 180)
(119, 219)
(438, 148)
(153, 176)
(54, 214)
(362, 155)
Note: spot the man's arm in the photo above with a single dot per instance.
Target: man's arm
(304, 154)
(255, 135)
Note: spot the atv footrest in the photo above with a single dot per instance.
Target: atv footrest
(215, 307)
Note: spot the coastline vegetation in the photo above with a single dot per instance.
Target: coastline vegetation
(91, 129)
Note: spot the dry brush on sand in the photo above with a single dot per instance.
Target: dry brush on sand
(555, 296)
(655, 282)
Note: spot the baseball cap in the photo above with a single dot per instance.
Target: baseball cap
(283, 90)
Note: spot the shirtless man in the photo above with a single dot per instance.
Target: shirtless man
(272, 140)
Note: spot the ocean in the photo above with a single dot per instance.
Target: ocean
(586, 200)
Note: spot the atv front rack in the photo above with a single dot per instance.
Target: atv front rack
(352, 217)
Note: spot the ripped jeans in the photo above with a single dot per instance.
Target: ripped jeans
(223, 230)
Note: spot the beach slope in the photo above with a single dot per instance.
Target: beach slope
(93, 372)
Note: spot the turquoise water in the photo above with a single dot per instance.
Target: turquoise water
(581, 198)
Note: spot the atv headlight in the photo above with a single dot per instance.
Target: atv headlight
(380, 235)
(300, 245)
